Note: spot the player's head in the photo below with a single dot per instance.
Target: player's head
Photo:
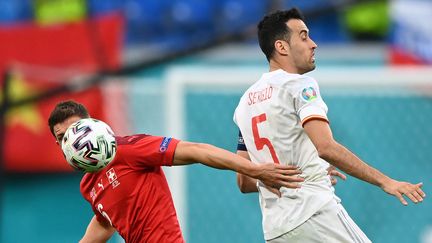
(284, 38)
(64, 114)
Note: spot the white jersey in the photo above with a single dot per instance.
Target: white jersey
(270, 115)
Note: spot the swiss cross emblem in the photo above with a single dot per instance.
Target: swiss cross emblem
(112, 177)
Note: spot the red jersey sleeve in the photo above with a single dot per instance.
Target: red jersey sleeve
(146, 150)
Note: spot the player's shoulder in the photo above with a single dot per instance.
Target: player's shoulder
(304, 81)
(288, 80)
(281, 77)
(132, 139)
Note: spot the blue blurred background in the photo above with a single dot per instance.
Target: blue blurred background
(196, 57)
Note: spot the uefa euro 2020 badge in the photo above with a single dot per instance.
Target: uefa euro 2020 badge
(309, 94)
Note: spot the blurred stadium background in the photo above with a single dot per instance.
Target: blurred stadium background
(178, 68)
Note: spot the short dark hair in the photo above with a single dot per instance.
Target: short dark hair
(273, 27)
(64, 110)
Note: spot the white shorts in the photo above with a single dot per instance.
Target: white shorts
(331, 224)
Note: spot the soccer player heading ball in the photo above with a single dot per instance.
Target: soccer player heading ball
(89, 145)
(131, 195)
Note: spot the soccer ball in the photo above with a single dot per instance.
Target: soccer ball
(89, 145)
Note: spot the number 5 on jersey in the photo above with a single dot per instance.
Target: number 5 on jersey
(260, 142)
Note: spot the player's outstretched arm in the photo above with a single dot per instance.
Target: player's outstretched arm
(271, 174)
(328, 149)
(97, 232)
(245, 183)
(248, 184)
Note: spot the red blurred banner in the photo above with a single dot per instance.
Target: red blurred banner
(83, 47)
(411, 34)
(398, 56)
(81, 44)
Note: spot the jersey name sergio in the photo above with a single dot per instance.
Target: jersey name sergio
(260, 96)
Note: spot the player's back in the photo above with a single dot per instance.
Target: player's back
(270, 116)
(269, 120)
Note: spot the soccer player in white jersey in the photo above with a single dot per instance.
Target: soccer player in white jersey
(282, 117)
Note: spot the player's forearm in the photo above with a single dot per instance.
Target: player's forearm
(246, 184)
(348, 162)
(271, 174)
(222, 159)
(188, 153)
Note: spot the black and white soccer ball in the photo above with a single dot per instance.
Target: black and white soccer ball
(89, 145)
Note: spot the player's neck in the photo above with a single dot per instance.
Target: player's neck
(276, 65)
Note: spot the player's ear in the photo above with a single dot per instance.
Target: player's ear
(282, 47)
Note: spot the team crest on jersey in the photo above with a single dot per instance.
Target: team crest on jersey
(112, 178)
(309, 94)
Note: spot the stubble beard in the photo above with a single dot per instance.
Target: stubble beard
(307, 68)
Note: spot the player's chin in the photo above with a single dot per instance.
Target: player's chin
(312, 62)
(310, 67)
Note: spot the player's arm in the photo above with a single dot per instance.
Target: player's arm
(245, 183)
(320, 133)
(248, 184)
(97, 232)
(333, 172)
(271, 174)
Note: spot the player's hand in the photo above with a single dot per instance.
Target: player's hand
(274, 190)
(333, 172)
(275, 176)
(400, 188)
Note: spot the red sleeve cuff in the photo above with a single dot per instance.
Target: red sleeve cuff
(169, 153)
(314, 117)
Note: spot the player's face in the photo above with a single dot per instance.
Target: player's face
(60, 128)
(302, 47)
